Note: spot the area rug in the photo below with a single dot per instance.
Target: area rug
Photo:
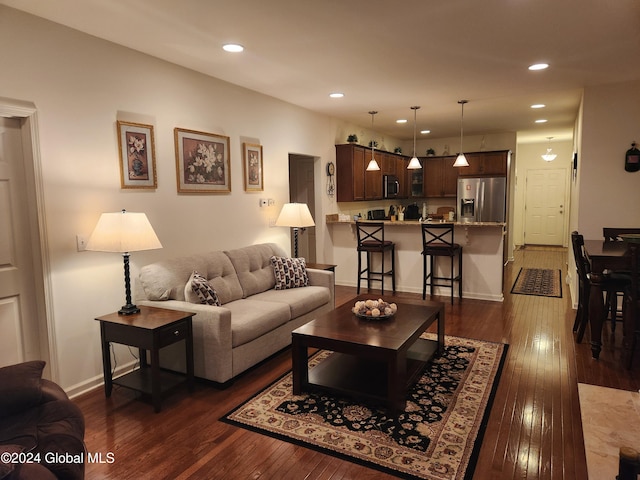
(543, 282)
(437, 437)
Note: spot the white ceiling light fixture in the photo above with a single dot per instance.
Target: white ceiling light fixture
(542, 120)
(461, 160)
(233, 47)
(538, 66)
(538, 105)
(549, 156)
(425, 132)
(336, 95)
(373, 165)
(401, 120)
(414, 163)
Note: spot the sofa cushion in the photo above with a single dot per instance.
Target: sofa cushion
(299, 300)
(199, 290)
(253, 266)
(251, 319)
(289, 272)
(166, 280)
(20, 387)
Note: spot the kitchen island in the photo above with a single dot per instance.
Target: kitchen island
(482, 256)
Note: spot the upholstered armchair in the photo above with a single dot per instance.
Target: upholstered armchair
(38, 423)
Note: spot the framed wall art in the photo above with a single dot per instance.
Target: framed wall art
(202, 162)
(137, 155)
(252, 167)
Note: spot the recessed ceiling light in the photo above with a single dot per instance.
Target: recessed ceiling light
(401, 120)
(232, 47)
(424, 132)
(538, 105)
(336, 95)
(542, 120)
(538, 66)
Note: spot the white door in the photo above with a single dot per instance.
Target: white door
(19, 322)
(545, 206)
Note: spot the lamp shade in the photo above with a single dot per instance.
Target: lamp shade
(461, 161)
(295, 215)
(123, 232)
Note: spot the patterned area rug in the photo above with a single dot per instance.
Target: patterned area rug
(543, 282)
(437, 437)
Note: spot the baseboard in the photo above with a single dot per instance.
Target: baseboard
(98, 381)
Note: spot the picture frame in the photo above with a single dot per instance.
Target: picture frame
(136, 146)
(252, 167)
(202, 162)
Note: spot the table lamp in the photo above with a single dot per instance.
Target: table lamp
(297, 216)
(124, 232)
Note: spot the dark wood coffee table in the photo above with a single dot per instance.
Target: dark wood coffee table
(373, 359)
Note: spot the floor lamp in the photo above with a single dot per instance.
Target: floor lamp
(124, 232)
(297, 216)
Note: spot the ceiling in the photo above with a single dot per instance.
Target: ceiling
(388, 55)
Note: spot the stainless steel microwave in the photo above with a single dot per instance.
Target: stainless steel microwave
(391, 186)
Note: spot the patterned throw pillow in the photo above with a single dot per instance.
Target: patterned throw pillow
(203, 289)
(290, 272)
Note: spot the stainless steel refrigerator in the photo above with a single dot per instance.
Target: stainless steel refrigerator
(482, 199)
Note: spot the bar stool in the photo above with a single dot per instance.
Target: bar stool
(371, 240)
(438, 241)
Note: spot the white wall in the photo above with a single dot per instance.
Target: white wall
(80, 86)
(609, 196)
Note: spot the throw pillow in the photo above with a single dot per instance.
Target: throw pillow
(203, 290)
(20, 387)
(289, 272)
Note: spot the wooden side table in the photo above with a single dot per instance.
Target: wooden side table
(150, 329)
(322, 266)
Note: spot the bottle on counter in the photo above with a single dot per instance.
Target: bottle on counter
(424, 211)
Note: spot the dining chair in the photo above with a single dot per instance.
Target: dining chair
(610, 283)
(631, 313)
(612, 234)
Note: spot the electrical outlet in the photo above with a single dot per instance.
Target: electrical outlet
(271, 202)
(272, 222)
(81, 242)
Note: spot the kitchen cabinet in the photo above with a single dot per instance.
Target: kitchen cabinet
(486, 163)
(440, 177)
(416, 182)
(350, 170)
(354, 183)
(403, 175)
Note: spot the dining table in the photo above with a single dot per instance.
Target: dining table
(604, 257)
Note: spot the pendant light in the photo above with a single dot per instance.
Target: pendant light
(461, 160)
(373, 165)
(414, 164)
(549, 156)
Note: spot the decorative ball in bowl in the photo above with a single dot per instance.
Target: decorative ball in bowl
(374, 309)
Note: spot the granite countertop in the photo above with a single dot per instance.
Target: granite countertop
(417, 222)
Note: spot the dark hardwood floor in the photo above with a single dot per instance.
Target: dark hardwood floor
(534, 429)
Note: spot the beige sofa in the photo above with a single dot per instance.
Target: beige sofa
(254, 319)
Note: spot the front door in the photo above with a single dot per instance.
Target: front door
(545, 205)
(19, 322)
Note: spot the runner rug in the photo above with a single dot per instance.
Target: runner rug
(437, 437)
(543, 282)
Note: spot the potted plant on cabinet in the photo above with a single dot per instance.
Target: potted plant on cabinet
(353, 138)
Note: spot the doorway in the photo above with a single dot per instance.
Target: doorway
(545, 207)
(24, 326)
(302, 190)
